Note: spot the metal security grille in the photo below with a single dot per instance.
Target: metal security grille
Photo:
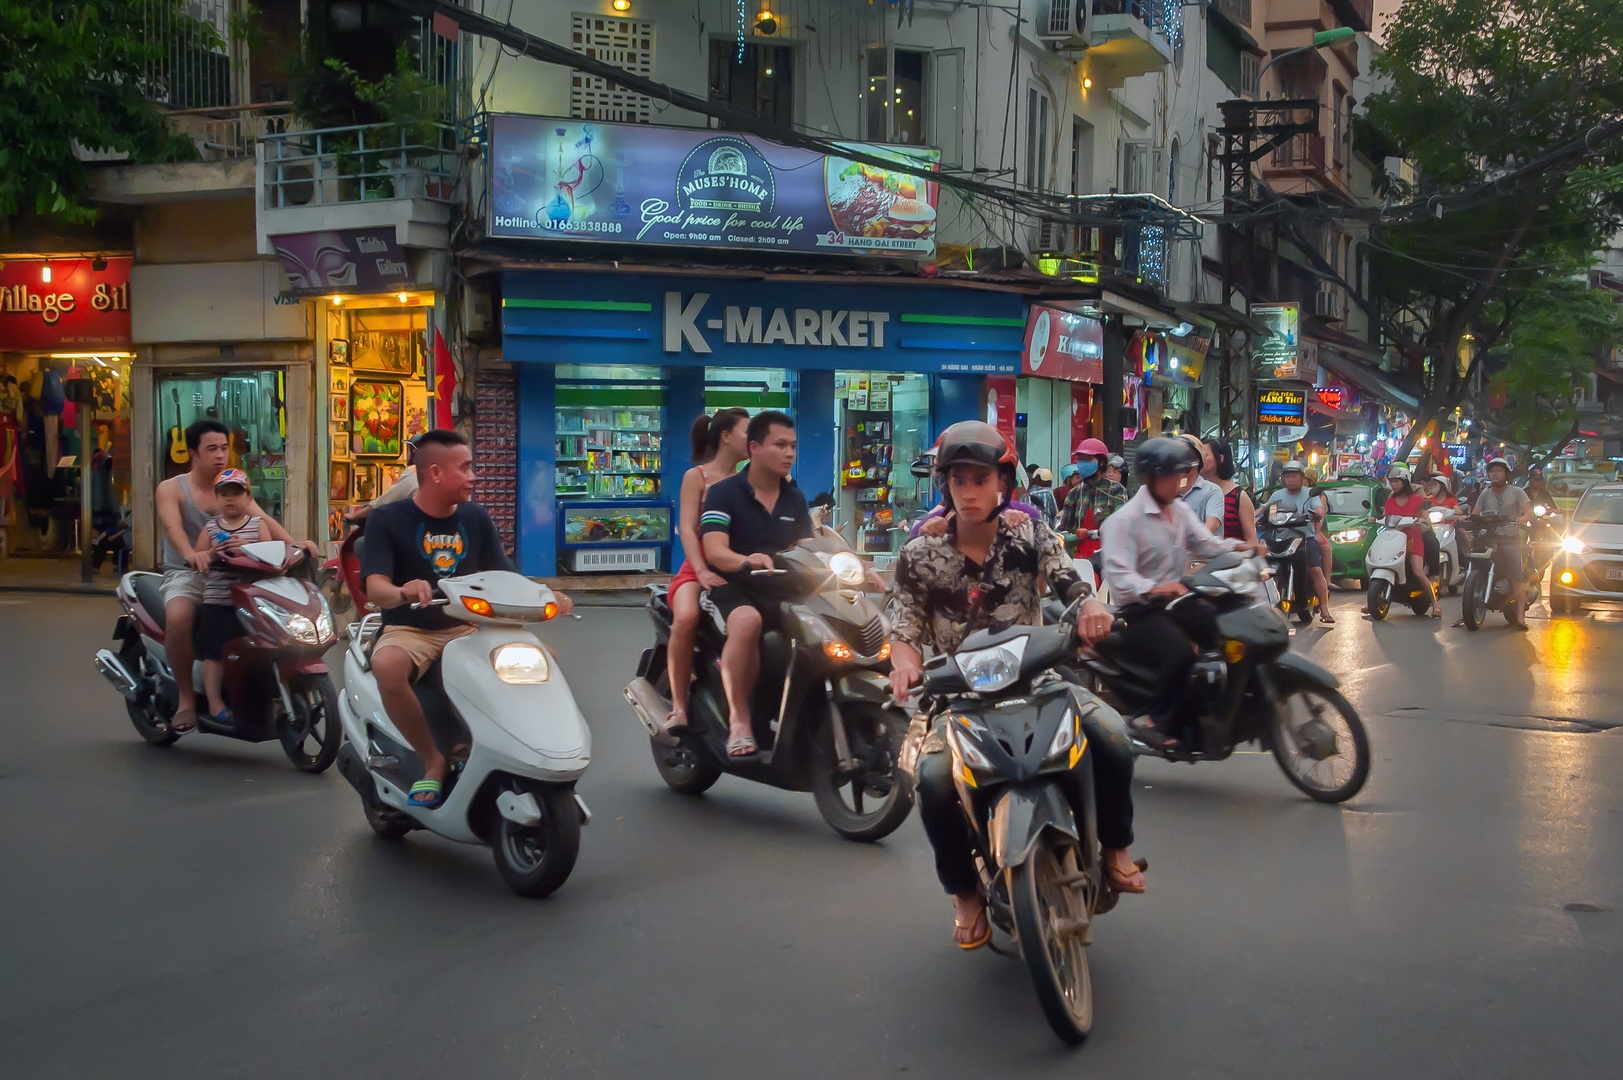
(193, 66)
(625, 43)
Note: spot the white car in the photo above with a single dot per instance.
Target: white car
(1589, 567)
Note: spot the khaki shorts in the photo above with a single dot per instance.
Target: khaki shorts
(423, 646)
(185, 584)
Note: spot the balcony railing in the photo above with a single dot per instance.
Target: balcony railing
(361, 164)
(1239, 10)
(192, 68)
(229, 134)
(1304, 152)
(1138, 9)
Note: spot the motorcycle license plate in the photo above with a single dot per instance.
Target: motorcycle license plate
(1614, 573)
(1273, 592)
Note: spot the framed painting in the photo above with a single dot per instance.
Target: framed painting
(416, 409)
(392, 351)
(392, 475)
(376, 412)
(340, 381)
(338, 353)
(338, 408)
(338, 444)
(338, 481)
(366, 483)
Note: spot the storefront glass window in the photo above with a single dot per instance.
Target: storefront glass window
(610, 421)
(752, 389)
(252, 405)
(882, 427)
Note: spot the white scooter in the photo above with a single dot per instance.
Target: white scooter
(1387, 563)
(1451, 559)
(499, 692)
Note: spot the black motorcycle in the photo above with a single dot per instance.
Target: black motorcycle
(1293, 581)
(1022, 766)
(821, 708)
(1250, 686)
(1486, 589)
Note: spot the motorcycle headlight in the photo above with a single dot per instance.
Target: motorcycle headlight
(1538, 511)
(1064, 738)
(520, 662)
(1241, 579)
(994, 668)
(847, 568)
(1436, 517)
(1573, 546)
(317, 631)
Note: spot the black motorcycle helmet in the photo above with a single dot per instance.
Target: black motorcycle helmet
(974, 442)
(1163, 456)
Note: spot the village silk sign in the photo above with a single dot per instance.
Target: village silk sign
(80, 309)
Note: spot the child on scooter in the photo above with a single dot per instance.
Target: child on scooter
(233, 527)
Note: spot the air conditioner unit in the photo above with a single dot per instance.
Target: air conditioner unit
(1327, 303)
(1051, 236)
(1066, 21)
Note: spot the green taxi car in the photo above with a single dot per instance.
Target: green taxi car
(1354, 507)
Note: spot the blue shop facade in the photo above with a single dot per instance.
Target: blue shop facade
(612, 369)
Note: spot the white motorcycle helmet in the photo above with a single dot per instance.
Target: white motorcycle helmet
(1400, 472)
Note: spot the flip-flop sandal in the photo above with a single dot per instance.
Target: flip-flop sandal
(1521, 626)
(980, 942)
(1328, 620)
(225, 716)
(745, 744)
(1122, 884)
(425, 787)
(675, 720)
(181, 726)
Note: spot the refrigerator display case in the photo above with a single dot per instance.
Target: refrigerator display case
(614, 535)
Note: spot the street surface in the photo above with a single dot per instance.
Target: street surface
(206, 911)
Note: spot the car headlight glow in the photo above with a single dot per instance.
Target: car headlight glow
(520, 662)
(994, 668)
(847, 568)
(302, 628)
(1573, 546)
(1350, 536)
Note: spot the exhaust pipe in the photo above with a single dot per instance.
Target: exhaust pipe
(114, 671)
(650, 706)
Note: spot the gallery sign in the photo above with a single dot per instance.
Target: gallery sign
(1278, 355)
(577, 180)
(343, 261)
(1062, 345)
(1283, 407)
(74, 307)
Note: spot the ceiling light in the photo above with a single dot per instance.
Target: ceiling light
(45, 273)
(338, 301)
(622, 5)
(404, 298)
(766, 23)
(1087, 83)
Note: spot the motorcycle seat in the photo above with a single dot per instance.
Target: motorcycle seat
(149, 591)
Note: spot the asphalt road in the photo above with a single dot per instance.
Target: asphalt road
(205, 911)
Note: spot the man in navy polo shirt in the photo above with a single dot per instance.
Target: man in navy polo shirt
(746, 518)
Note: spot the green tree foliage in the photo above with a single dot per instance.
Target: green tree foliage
(1475, 91)
(74, 77)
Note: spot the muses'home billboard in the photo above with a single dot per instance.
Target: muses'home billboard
(578, 180)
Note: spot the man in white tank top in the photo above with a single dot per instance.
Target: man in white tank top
(185, 503)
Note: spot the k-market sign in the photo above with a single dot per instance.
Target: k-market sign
(694, 325)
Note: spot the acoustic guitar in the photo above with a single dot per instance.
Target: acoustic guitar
(177, 435)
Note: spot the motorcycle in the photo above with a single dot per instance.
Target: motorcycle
(499, 693)
(1388, 563)
(1250, 687)
(1485, 588)
(822, 713)
(1022, 765)
(1544, 538)
(276, 684)
(1291, 580)
(1450, 549)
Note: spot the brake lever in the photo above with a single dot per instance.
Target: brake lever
(761, 573)
(431, 603)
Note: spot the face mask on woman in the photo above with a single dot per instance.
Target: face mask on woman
(1085, 469)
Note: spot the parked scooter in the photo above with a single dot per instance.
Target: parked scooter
(1387, 562)
(498, 692)
(1022, 761)
(1291, 580)
(1485, 588)
(1450, 549)
(821, 709)
(276, 684)
(1253, 687)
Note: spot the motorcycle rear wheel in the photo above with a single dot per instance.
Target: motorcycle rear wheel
(535, 860)
(152, 728)
(682, 770)
(386, 821)
(311, 737)
(1380, 598)
(842, 799)
(1331, 784)
(1047, 920)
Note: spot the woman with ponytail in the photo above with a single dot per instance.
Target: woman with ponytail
(719, 445)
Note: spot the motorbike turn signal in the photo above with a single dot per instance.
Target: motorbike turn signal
(837, 650)
(476, 605)
(549, 611)
(884, 651)
(1233, 651)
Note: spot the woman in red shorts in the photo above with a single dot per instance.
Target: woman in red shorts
(719, 444)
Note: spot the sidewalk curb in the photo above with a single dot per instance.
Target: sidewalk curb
(62, 590)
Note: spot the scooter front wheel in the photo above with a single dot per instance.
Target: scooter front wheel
(535, 860)
(870, 801)
(311, 736)
(1049, 922)
(1380, 598)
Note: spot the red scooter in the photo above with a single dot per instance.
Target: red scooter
(276, 683)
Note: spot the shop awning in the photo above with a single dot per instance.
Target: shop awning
(1232, 319)
(1368, 378)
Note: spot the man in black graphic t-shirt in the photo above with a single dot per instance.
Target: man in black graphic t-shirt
(409, 546)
